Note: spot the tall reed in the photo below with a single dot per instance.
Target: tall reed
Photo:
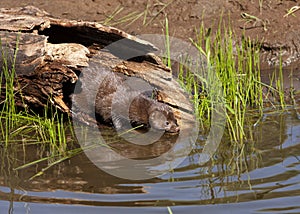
(237, 66)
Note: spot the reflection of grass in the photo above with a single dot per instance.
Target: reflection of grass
(9, 178)
(47, 133)
(169, 210)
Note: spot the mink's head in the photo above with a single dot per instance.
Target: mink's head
(161, 117)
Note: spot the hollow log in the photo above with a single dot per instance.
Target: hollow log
(50, 54)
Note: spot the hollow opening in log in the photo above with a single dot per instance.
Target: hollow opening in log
(84, 35)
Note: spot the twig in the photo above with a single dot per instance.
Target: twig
(291, 11)
(250, 18)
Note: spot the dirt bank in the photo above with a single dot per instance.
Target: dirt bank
(265, 22)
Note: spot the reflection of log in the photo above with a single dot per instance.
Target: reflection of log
(51, 53)
(72, 175)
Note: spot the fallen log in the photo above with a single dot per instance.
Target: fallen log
(50, 56)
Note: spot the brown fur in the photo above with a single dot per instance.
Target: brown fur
(142, 110)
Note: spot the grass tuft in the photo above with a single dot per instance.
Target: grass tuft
(21, 127)
(236, 62)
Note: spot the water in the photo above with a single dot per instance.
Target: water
(268, 181)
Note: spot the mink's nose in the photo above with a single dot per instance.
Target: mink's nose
(175, 129)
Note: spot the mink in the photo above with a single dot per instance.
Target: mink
(118, 104)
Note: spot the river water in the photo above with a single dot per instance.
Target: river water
(265, 180)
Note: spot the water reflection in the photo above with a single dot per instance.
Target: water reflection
(265, 179)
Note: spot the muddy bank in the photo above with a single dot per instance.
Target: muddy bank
(267, 22)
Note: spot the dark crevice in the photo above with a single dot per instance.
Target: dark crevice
(82, 35)
(119, 46)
